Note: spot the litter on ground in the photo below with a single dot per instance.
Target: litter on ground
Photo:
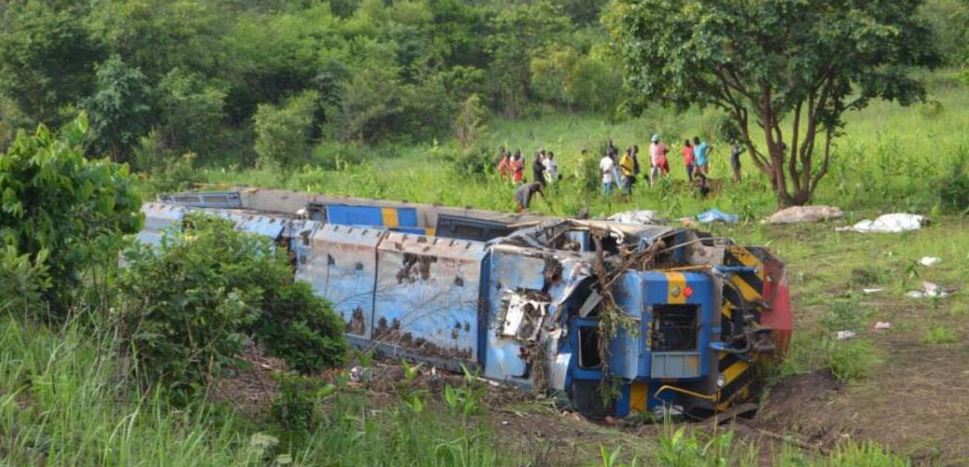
(883, 325)
(871, 291)
(887, 223)
(714, 215)
(929, 260)
(845, 335)
(930, 290)
(638, 217)
(797, 214)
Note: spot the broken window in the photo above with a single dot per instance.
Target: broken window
(589, 348)
(674, 328)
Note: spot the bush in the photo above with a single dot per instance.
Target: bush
(953, 186)
(55, 200)
(189, 306)
(22, 282)
(283, 133)
(296, 404)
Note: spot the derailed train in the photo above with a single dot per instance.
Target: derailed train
(676, 319)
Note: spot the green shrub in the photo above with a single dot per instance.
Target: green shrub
(189, 305)
(22, 282)
(55, 200)
(953, 187)
(296, 406)
(299, 327)
(283, 133)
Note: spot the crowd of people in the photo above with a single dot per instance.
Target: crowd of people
(616, 171)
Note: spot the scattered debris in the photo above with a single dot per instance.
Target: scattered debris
(883, 325)
(714, 214)
(873, 290)
(929, 261)
(360, 374)
(638, 217)
(844, 335)
(930, 290)
(798, 214)
(887, 223)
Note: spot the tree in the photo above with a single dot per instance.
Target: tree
(283, 132)
(64, 210)
(469, 124)
(46, 59)
(765, 61)
(119, 110)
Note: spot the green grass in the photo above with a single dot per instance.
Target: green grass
(940, 335)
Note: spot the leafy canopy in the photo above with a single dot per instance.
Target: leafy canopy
(761, 61)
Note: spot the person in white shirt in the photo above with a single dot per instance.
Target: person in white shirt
(607, 167)
(551, 168)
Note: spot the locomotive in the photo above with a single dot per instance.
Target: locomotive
(614, 318)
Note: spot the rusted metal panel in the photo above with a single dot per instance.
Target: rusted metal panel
(428, 295)
(341, 265)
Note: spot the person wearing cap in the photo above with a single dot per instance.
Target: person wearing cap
(657, 159)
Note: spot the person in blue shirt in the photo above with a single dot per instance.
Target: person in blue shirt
(701, 156)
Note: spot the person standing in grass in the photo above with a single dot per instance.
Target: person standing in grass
(607, 169)
(523, 196)
(551, 168)
(627, 167)
(735, 151)
(518, 168)
(657, 159)
(538, 167)
(504, 166)
(701, 157)
(688, 159)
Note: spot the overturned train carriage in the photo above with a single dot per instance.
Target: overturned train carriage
(665, 317)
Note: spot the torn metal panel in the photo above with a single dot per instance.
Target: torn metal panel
(428, 294)
(342, 266)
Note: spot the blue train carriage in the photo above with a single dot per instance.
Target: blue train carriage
(664, 317)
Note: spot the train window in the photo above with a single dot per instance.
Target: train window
(674, 328)
(589, 348)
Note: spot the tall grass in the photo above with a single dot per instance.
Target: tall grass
(62, 403)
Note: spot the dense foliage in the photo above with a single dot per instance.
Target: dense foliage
(62, 210)
(764, 62)
(190, 306)
(225, 79)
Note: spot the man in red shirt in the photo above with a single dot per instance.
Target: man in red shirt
(688, 159)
